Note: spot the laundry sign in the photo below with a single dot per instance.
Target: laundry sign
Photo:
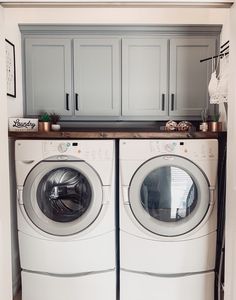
(22, 124)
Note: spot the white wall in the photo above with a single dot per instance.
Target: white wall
(81, 15)
(230, 284)
(5, 234)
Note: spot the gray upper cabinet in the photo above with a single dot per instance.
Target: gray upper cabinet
(189, 78)
(118, 72)
(97, 76)
(48, 76)
(144, 77)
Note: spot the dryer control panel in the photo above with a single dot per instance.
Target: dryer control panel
(201, 152)
(205, 149)
(185, 148)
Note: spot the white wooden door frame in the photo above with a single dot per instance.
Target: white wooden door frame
(230, 247)
(5, 232)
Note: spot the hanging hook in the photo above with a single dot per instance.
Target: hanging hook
(217, 63)
(212, 64)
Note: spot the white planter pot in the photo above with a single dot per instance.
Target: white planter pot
(55, 127)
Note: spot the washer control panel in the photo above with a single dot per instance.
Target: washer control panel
(84, 150)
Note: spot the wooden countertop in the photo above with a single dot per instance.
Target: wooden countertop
(115, 134)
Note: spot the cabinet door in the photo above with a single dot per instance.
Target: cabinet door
(144, 77)
(97, 76)
(188, 77)
(48, 76)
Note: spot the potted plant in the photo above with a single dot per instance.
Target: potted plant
(54, 119)
(44, 122)
(215, 125)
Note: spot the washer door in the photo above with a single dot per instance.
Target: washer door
(169, 195)
(62, 198)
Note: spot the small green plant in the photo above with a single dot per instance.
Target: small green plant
(45, 117)
(216, 117)
(204, 115)
(54, 118)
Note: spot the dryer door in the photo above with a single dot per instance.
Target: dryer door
(62, 197)
(169, 195)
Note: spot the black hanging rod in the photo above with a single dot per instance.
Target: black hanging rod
(223, 50)
(209, 58)
(224, 44)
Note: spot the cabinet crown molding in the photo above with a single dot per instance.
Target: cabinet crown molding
(78, 29)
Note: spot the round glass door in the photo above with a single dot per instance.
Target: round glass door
(64, 194)
(62, 198)
(169, 195)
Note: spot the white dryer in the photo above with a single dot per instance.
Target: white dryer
(66, 218)
(168, 219)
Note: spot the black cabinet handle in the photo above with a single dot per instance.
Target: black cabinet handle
(76, 102)
(172, 101)
(67, 102)
(163, 102)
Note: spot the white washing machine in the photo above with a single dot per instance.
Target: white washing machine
(168, 219)
(66, 218)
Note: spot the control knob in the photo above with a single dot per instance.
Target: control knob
(62, 147)
(170, 147)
